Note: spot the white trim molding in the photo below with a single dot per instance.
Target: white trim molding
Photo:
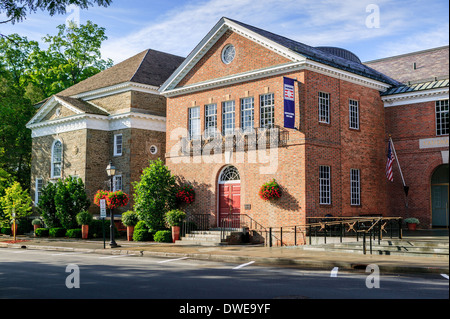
(415, 97)
(99, 122)
(116, 89)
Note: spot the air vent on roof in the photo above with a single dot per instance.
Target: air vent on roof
(340, 53)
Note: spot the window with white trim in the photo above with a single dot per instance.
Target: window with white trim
(228, 117)
(210, 120)
(267, 110)
(247, 113)
(324, 107)
(118, 144)
(37, 191)
(325, 185)
(117, 183)
(442, 119)
(194, 122)
(57, 151)
(353, 110)
(355, 187)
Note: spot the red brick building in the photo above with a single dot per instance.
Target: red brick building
(228, 95)
(417, 119)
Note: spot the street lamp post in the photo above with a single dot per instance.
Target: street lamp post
(111, 171)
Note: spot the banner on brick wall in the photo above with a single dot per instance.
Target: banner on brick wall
(289, 102)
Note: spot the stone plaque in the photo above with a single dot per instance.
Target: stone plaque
(433, 142)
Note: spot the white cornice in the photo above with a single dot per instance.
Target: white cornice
(99, 122)
(278, 70)
(415, 97)
(115, 89)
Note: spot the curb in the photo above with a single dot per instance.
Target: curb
(275, 261)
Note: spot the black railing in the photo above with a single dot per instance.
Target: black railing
(240, 222)
(337, 229)
(195, 222)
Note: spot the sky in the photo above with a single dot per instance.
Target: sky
(372, 29)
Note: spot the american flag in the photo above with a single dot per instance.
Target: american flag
(390, 160)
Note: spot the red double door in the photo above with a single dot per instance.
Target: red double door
(229, 205)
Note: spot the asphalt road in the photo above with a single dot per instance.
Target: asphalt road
(38, 274)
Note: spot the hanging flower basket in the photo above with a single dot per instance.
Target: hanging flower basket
(113, 199)
(117, 199)
(186, 194)
(270, 191)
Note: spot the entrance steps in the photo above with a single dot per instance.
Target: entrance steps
(388, 247)
(210, 237)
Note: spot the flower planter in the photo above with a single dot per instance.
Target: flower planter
(84, 231)
(130, 231)
(412, 226)
(36, 227)
(175, 233)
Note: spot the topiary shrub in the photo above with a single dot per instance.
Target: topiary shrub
(84, 218)
(42, 232)
(57, 232)
(73, 233)
(141, 232)
(130, 218)
(163, 236)
(174, 217)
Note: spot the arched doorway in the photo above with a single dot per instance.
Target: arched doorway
(439, 196)
(229, 185)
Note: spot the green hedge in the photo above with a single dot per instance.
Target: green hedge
(163, 236)
(6, 230)
(141, 232)
(74, 233)
(41, 232)
(57, 232)
(96, 229)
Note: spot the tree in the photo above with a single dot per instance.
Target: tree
(16, 10)
(155, 194)
(16, 200)
(6, 181)
(70, 199)
(47, 207)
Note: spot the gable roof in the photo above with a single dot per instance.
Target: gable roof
(148, 67)
(295, 51)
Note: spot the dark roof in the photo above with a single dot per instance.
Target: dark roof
(417, 87)
(322, 56)
(149, 67)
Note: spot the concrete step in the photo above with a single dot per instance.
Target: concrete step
(388, 247)
(205, 238)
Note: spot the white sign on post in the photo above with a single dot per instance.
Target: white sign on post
(102, 208)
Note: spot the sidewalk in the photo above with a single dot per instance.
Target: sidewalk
(281, 256)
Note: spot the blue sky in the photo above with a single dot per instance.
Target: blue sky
(177, 26)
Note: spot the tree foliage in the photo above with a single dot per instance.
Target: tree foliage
(16, 10)
(155, 194)
(70, 199)
(46, 206)
(16, 200)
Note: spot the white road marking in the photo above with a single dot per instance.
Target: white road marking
(334, 272)
(169, 260)
(243, 265)
(445, 276)
(114, 256)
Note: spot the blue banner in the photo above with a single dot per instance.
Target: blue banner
(289, 103)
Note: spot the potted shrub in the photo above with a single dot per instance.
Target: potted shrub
(84, 218)
(130, 219)
(36, 224)
(412, 223)
(174, 218)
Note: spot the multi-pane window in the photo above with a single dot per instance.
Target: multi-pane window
(353, 109)
(38, 189)
(355, 187)
(56, 159)
(247, 114)
(267, 106)
(228, 117)
(210, 120)
(442, 120)
(325, 185)
(117, 183)
(324, 107)
(117, 144)
(194, 123)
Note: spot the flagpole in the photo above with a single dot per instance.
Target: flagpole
(398, 163)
